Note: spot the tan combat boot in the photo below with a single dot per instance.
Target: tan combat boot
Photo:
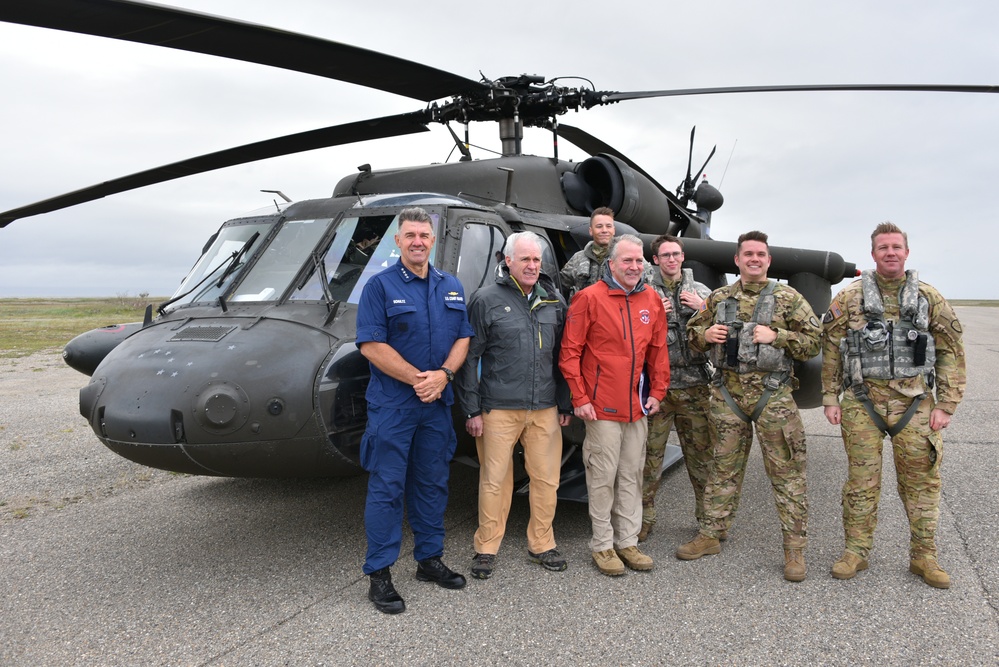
(634, 558)
(927, 568)
(697, 547)
(794, 564)
(848, 565)
(643, 534)
(608, 563)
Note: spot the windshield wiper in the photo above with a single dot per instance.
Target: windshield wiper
(229, 266)
(234, 261)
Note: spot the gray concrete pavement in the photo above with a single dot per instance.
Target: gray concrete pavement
(103, 562)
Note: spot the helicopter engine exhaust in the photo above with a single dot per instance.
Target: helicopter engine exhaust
(606, 180)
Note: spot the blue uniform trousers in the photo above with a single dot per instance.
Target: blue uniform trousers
(407, 453)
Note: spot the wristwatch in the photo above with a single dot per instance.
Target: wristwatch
(449, 373)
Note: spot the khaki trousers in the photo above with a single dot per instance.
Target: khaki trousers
(541, 436)
(614, 453)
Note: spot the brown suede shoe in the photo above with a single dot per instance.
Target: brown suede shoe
(930, 571)
(848, 565)
(794, 564)
(634, 558)
(697, 547)
(608, 563)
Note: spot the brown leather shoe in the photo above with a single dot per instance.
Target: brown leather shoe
(848, 565)
(697, 547)
(930, 571)
(634, 558)
(794, 564)
(608, 563)
(643, 534)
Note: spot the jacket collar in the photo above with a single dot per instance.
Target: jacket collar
(615, 285)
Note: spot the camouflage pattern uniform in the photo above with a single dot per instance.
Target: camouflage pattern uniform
(686, 402)
(583, 269)
(778, 428)
(918, 450)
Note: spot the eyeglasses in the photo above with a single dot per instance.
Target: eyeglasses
(671, 255)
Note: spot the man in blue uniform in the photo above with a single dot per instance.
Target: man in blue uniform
(413, 329)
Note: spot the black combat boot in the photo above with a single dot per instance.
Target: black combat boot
(432, 569)
(383, 594)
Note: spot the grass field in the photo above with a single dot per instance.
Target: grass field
(34, 325)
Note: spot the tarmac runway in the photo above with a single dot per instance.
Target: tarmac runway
(104, 562)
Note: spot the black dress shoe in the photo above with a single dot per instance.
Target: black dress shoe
(432, 569)
(383, 594)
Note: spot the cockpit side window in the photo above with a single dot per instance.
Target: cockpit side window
(480, 257)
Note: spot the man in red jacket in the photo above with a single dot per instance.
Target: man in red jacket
(614, 329)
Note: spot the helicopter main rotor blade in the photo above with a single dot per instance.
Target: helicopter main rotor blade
(375, 128)
(589, 143)
(186, 30)
(606, 98)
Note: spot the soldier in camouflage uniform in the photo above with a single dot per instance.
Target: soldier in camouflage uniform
(686, 402)
(888, 339)
(587, 266)
(754, 329)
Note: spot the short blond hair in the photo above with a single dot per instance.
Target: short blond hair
(888, 228)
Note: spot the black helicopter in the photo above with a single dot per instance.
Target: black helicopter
(249, 369)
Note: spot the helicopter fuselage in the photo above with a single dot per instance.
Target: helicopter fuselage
(251, 369)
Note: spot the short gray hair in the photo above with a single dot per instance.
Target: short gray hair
(511, 242)
(626, 238)
(415, 214)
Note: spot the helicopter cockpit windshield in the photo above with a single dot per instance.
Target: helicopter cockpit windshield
(282, 259)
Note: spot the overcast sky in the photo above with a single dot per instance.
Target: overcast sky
(814, 170)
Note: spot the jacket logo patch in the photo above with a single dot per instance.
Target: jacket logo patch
(645, 316)
(453, 296)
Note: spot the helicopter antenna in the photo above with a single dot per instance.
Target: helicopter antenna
(725, 171)
(279, 194)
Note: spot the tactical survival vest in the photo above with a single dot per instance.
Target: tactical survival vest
(886, 350)
(739, 353)
(680, 354)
